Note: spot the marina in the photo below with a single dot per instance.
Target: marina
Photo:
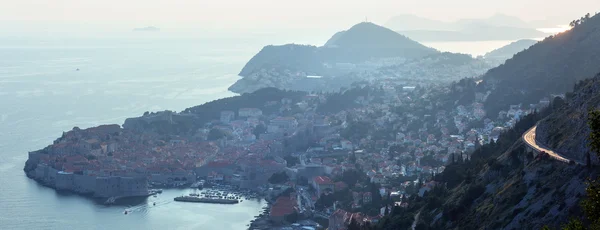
(179, 199)
(217, 194)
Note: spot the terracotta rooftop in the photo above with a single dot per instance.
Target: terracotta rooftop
(323, 180)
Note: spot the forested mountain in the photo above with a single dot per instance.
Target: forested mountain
(191, 119)
(550, 66)
(290, 56)
(511, 49)
(361, 42)
(366, 40)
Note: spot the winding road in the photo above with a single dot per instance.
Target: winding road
(529, 139)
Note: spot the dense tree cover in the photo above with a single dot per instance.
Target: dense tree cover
(302, 181)
(356, 130)
(461, 92)
(289, 56)
(580, 21)
(299, 142)
(366, 40)
(351, 177)
(259, 129)
(291, 161)
(396, 150)
(292, 218)
(429, 160)
(594, 139)
(324, 201)
(216, 134)
(550, 66)
(211, 110)
(346, 99)
(279, 178)
(191, 119)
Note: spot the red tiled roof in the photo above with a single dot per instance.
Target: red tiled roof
(323, 180)
(283, 206)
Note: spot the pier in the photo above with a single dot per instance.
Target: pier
(204, 200)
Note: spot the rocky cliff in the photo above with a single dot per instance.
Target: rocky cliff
(566, 130)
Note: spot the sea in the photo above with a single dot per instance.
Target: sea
(49, 85)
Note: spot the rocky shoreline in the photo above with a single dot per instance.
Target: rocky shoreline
(262, 221)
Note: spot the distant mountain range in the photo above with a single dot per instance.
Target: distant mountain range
(510, 50)
(497, 27)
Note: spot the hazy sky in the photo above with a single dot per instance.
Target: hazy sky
(270, 14)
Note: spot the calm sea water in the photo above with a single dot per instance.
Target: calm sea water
(42, 94)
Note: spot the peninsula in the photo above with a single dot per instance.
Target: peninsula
(361, 53)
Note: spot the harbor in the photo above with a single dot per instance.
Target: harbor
(236, 216)
(217, 194)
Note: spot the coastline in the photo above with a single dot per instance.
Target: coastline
(84, 194)
(262, 221)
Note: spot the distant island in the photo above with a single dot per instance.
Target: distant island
(497, 27)
(147, 29)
